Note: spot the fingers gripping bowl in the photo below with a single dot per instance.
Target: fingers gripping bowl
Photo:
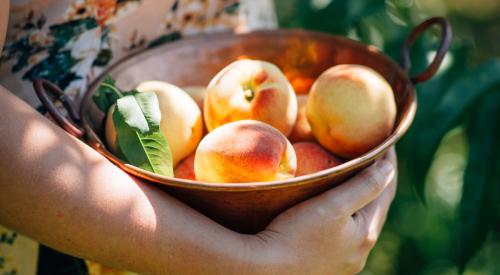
(302, 56)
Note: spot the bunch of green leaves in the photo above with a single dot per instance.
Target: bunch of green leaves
(469, 99)
(460, 95)
(136, 117)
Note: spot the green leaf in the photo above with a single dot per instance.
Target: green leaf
(432, 123)
(131, 112)
(336, 17)
(137, 121)
(481, 191)
(150, 106)
(107, 94)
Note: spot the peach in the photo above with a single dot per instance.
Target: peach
(300, 83)
(244, 151)
(302, 129)
(185, 169)
(250, 89)
(312, 158)
(351, 109)
(109, 129)
(181, 122)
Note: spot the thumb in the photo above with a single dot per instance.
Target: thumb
(360, 190)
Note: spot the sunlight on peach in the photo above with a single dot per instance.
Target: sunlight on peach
(243, 57)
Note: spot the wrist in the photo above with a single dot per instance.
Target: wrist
(264, 254)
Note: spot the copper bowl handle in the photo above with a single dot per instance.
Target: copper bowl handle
(42, 88)
(443, 47)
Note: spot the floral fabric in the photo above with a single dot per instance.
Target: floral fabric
(70, 42)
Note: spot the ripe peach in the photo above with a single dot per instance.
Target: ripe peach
(244, 151)
(250, 89)
(300, 83)
(302, 129)
(312, 158)
(181, 122)
(109, 129)
(351, 109)
(185, 169)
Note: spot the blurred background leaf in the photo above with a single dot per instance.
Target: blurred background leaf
(479, 205)
(443, 114)
(445, 218)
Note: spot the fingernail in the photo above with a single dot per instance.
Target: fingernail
(385, 166)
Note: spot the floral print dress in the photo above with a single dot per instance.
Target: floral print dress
(70, 42)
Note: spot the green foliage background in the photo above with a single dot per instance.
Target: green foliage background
(445, 218)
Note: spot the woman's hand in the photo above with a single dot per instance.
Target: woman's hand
(333, 232)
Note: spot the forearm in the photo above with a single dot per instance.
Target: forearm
(59, 191)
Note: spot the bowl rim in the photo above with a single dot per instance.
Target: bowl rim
(399, 130)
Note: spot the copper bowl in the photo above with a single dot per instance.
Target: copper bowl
(249, 207)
